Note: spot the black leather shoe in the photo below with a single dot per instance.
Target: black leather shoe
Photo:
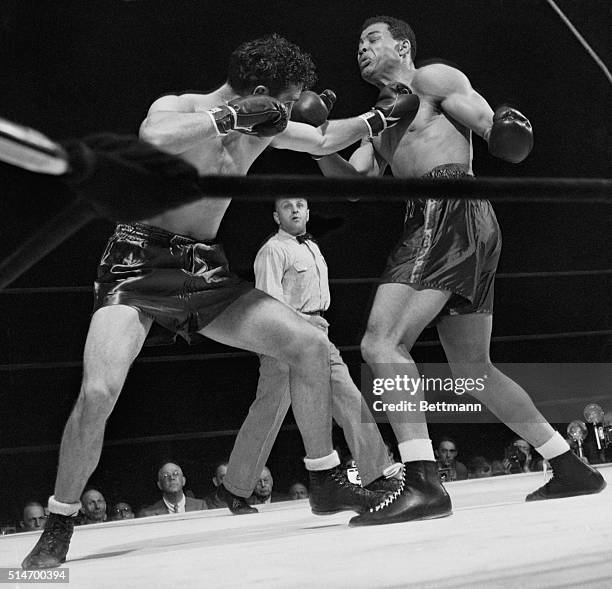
(331, 492)
(237, 505)
(571, 477)
(420, 496)
(52, 546)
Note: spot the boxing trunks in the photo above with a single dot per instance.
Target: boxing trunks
(179, 282)
(451, 245)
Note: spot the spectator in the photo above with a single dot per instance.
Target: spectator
(220, 473)
(263, 490)
(298, 491)
(521, 457)
(479, 467)
(213, 501)
(449, 467)
(171, 482)
(121, 511)
(498, 468)
(93, 510)
(34, 517)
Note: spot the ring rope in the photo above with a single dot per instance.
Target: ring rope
(229, 355)
(230, 432)
(317, 188)
(141, 440)
(542, 274)
(388, 189)
(581, 40)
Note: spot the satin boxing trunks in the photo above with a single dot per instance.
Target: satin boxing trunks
(451, 245)
(179, 282)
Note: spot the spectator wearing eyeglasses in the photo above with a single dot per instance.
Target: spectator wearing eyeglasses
(171, 482)
(121, 511)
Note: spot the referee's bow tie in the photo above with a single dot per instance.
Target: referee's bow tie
(304, 237)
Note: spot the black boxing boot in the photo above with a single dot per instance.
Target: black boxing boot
(237, 505)
(420, 496)
(331, 492)
(52, 546)
(390, 485)
(571, 476)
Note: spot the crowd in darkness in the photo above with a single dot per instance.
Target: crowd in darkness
(176, 496)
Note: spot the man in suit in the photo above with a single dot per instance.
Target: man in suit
(263, 492)
(212, 499)
(93, 510)
(171, 481)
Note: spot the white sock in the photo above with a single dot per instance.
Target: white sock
(554, 447)
(420, 449)
(70, 509)
(323, 463)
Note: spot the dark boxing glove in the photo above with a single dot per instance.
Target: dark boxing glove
(511, 136)
(257, 114)
(312, 108)
(395, 101)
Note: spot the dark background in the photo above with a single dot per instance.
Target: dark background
(73, 68)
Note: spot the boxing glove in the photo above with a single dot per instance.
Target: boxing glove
(395, 102)
(256, 114)
(312, 108)
(511, 136)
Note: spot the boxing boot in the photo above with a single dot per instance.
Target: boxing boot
(420, 496)
(388, 485)
(571, 476)
(52, 546)
(331, 492)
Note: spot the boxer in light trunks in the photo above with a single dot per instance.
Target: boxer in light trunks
(167, 269)
(443, 268)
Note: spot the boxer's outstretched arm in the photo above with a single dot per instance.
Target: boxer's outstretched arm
(363, 162)
(330, 137)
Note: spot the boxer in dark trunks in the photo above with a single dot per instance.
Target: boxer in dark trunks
(443, 268)
(167, 269)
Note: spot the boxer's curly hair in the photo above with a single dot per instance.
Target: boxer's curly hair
(399, 30)
(271, 61)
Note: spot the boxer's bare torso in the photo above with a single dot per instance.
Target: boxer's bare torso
(434, 137)
(231, 154)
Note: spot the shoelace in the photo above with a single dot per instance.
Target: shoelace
(390, 498)
(365, 494)
(56, 534)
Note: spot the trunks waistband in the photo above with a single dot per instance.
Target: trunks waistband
(452, 170)
(444, 171)
(156, 235)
